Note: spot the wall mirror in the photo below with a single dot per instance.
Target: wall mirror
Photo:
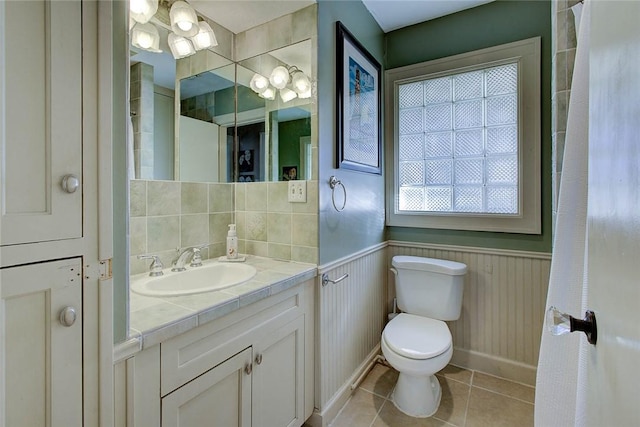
(209, 124)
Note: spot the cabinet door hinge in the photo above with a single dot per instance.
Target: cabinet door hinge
(102, 270)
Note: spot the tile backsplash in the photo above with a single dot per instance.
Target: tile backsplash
(166, 215)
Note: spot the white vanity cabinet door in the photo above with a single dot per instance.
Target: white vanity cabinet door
(40, 353)
(40, 121)
(220, 397)
(278, 377)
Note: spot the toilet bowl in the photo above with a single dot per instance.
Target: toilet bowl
(417, 342)
(417, 347)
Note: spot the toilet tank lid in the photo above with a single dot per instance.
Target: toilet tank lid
(429, 264)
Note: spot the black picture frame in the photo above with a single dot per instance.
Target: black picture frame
(358, 105)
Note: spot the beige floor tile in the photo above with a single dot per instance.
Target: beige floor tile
(488, 409)
(456, 373)
(509, 388)
(390, 416)
(360, 410)
(453, 403)
(380, 380)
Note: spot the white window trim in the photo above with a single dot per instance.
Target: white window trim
(527, 54)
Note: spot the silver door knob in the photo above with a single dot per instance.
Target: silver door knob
(70, 183)
(68, 316)
(258, 359)
(248, 368)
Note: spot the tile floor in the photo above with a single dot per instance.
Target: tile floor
(469, 399)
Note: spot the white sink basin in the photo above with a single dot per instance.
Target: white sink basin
(210, 277)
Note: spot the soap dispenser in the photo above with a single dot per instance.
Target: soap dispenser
(232, 242)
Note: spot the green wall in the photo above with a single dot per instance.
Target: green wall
(289, 134)
(361, 224)
(483, 26)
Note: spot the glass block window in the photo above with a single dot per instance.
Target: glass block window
(466, 134)
(458, 142)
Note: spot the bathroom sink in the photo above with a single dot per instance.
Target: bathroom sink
(210, 277)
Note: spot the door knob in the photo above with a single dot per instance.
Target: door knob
(258, 359)
(70, 183)
(248, 368)
(68, 316)
(559, 323)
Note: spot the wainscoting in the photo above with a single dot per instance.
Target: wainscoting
(350, 317)
(502, 310)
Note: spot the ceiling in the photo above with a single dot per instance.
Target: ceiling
(240, 15)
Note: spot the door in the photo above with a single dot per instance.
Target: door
(40, 353)
(613, 377)
(278, 377)
(40, 121)
(220, 397)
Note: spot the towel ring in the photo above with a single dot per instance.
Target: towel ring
(333, 183)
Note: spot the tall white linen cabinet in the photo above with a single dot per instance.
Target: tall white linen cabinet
(55, 226)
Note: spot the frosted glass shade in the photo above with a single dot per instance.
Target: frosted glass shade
(184, 21)
(287, 94)
(279, 77)
(205, 37)
(180, 46)
(142, 10)
(269, 93)
(301, 83)
(145, 36)
(259, 83)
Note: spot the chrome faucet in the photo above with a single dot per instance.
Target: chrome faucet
(155, 269)
(185, 255)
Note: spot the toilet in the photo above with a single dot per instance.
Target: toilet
(417, 342)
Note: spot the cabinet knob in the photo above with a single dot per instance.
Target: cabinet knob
(70, 183)
(68, 316)
(258, 359)
(248, 368)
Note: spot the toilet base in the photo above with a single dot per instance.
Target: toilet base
(417, 396)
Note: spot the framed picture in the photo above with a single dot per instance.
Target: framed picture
(289, 173)
(359, 139)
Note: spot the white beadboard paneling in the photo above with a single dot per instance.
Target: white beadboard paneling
(503, 303)
(351, 315)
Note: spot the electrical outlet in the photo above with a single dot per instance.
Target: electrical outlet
(298, 191)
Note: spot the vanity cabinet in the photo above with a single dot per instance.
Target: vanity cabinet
(252, 367)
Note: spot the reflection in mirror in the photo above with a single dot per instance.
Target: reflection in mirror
(206, 124)
(274, 116)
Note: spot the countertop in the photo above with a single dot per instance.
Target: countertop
(156, 319)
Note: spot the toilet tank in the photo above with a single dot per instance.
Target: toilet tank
(429, 287)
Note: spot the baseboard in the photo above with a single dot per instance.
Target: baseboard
(504, 368)
(330, 411)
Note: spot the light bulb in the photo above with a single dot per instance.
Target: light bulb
(279, 77)
(145, 36)
(269, 93)
(259, 83)
(145, 40)
(180, 46)
(287, 94)
(301, 82)
(205, 37)
(139, 6)
(185, 25)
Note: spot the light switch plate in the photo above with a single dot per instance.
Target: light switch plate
(298, 191)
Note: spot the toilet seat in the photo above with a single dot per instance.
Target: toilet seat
(417, 337)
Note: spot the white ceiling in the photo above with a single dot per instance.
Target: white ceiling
(240, 15)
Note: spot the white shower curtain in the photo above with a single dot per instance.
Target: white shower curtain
(559, 386)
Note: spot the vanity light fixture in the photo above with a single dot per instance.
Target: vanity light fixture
(142, 10)
(180, 46)
(146, 36)
(205, 37)
(279, 77)
(259, 83)
(184, 21)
